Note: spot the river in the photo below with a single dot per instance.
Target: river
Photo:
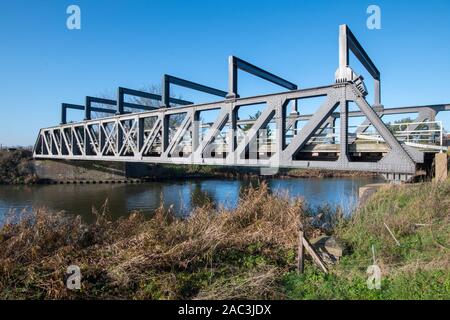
(183, 195)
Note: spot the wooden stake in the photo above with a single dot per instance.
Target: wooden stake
(300, 254)
(392, 234)
(316, 258)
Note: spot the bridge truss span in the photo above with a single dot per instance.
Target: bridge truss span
(178, 136)
(279, 135)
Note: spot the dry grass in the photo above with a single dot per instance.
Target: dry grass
(16, 167)
(213, 254)
(248, 252)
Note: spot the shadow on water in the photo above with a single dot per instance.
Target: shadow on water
(182, 196)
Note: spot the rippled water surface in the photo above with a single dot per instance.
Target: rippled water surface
(183, 195)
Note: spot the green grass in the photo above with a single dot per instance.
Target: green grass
(418, 285)
(419, 268)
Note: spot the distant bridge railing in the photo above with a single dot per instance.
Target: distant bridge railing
(425, 135)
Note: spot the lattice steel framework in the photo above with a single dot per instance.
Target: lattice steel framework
(154, 136)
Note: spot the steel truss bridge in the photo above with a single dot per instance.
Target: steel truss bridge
(279, 136)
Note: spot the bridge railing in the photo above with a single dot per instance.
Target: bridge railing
(422, 135)
(426, 135)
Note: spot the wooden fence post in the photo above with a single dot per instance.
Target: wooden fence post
(300, 253)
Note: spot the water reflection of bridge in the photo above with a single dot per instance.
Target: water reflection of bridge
(280, 134)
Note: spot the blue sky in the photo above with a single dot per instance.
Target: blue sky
(132, 43)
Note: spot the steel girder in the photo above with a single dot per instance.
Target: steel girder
(173, 135)
(151, 136)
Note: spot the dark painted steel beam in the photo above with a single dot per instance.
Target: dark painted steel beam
(168, 80)
(89, 100)
(235, 64)
(347, 43)
(146, 95)
(361, 54)
(387, 111)
(65, 106)
(88, 105)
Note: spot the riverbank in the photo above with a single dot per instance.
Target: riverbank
(409, 229)
(248, 252)
(18, 167)
(214, 172)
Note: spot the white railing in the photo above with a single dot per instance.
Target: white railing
(422, 135)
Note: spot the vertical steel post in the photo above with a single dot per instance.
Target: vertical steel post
(63, 114)
(165, 133)
(233, 128)
(86, 142)
(102, 137)
(87, 109)
(377, 93)
(195, 131)
(119, 135)
(344, 127)
(281, 127)
(295, 107)
(141, 135)
(343, 47)
(165, 86)
(120, 99)
(232, 79)
(332, 124)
